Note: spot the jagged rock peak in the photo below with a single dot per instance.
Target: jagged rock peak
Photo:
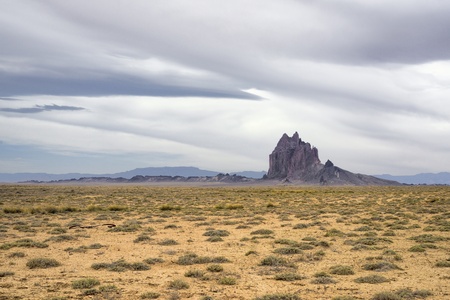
(329, 164)
(293, 158)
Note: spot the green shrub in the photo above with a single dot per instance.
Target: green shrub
(428, 238)
(168, 242)
(23, 243)
(372, 279)
(322, 278)
(227, 280)
(85, 283)
(341, 270)
(288, 277)
(288, 250)
(217, 233)
(16, 254)
(195, 273)
(142, 238)
(152, 261)
(178, 284)
(42, 263)
(273, 261)
(214, 239)
(443, 264)
(215, 268)
(262, 232)
(381, 266)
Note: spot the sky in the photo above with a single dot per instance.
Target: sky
(105, 86)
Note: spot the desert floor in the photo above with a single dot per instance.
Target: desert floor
(269, 243)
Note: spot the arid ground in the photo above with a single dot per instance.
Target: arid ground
(271, 243)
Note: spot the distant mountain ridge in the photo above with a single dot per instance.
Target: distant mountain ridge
(150, 171)
(422, 178)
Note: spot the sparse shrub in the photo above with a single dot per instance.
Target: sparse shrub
(227, 280)
(42, 263)
(214, 239)
(300, 226)
(85, 283)
(410, 294)
(251, 252)
(16, 254)
(386, 296)
(286, 242)
(279, 297)
(341, 270)
(168, 242)
(6, 273)
(273, 261)
(150, 295)
(12, 210)
(381, 266)
(289, 277)
(219, 260)
(192, 258)
(90, 292)
(334, 232)
(108, 288)
(443, 264)
(23, 243)
(372, 279)
(169, 207)
(322, 278)
(417, 248)
(232, 206)
(178, 284)
(344, 298)
(120, 266)
(60, 238)
(152, 261)
(262, 232)
(117, 208)
(138, 266)
(216, 233)
(428, 238)
(195, 273)
(58, 230)
(142, 238)
(215, 268)
(288, 251)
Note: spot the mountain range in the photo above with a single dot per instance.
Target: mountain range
(150, 171)
(422, 178)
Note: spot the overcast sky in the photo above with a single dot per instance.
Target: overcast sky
(104, 86)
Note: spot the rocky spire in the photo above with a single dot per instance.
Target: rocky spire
(293, 158)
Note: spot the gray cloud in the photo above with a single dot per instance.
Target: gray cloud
(41, 108)
(347, 74)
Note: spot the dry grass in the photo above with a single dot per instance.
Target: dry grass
(269, 243)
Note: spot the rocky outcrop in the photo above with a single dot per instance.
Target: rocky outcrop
(295, 161)
(293, 158)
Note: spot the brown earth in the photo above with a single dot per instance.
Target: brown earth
(340, 226)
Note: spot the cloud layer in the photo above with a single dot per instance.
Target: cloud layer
(169, 83)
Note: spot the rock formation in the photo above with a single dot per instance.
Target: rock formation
(294, 160)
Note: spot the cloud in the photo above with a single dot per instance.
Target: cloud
(41, 108)
(366, 82)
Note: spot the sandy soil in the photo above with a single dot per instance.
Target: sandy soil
(355, 231)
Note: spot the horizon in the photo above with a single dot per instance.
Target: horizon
(103, 87)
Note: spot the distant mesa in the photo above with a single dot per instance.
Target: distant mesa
(296, 161)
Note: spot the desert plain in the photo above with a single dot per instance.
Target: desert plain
(224, 242)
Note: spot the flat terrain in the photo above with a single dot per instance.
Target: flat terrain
(271, 243)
